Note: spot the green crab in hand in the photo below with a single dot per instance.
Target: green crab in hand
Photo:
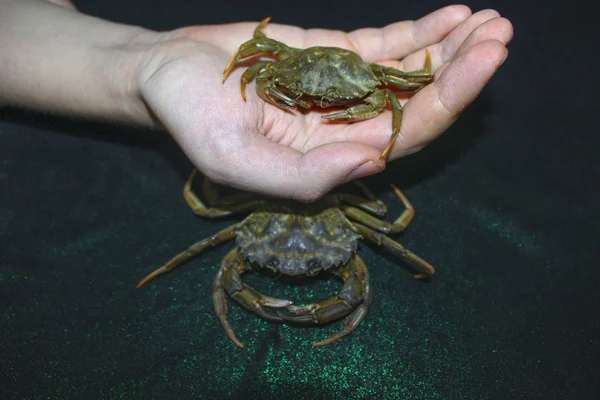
(326, 77)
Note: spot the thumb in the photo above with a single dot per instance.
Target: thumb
(274, 169)
(323, 168)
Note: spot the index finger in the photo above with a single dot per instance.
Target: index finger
(393, 41)
(397, 40)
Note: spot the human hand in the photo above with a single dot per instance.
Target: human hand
(258, 147)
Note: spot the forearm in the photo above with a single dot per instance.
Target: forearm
(58, 60)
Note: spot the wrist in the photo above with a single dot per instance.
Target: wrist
(58, 60)
(126, 60)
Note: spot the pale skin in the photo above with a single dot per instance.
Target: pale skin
(55, 59)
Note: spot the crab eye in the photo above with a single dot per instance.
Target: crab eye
(314, 263)
(273, 262)
(314, 266)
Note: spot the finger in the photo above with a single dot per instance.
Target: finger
(64, 3)
(393, 41)
(447, 48)
(402, 38)
(432, 110)
(228, 37)
(496, 28)
(277, 170)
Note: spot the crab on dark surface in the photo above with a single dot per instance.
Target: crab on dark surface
(297, 240)
(326, 77)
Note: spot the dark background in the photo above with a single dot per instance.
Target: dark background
(507, 210)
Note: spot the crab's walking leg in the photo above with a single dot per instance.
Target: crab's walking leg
(250, 74)
(219, 297)
(399, 225)
(260, 43)
(405, 80)
(367, 219)
(372, 106)
(192, 251)
(382, 240)
(402, 222)
(212, 197)
(366, 191)
(354, 298)
(258, 31)
(224, 210)
(374, 206)
(401, 80)
(228, 281)
(396, 122)
(256, 46)
(269, 92)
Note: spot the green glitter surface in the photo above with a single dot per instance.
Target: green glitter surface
(506, 211)
(529, 243)
(420, 340)
(496, 321)
(82, 330)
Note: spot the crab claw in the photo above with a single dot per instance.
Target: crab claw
(298, 319)
(325, 311)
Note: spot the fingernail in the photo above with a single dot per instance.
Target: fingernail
(505, 57)
(366, 169)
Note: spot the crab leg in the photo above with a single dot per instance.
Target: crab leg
(367, 219)
(250, 74)
(399, 83)
(354, 299)
(396, 121)
(268, 91)
(228, 280)
(373, 206)
(402, 222)
(192, 251)
(260, 43)
(227, 208)
(374, 104)
(211, 195)
(382, 240)
(258, 31)
(367, 192)
(399, 225)
(253, 47)
(405, 80)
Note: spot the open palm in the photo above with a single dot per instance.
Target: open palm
(255, 146)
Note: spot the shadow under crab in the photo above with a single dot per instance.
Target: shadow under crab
(297, 240)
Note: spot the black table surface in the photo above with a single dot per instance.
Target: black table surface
(507, 211)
